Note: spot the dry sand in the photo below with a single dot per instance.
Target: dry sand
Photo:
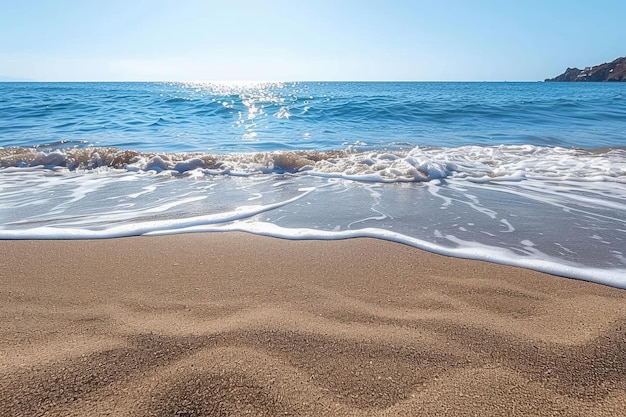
(234, 324)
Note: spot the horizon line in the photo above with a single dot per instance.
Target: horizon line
(264, 81)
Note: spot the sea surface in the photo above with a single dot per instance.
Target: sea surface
(524, 174)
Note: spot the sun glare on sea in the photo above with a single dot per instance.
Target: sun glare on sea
(255, 88)
(250, 101)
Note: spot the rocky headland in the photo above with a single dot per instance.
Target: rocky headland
(609, 71)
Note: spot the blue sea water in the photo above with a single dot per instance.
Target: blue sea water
(526, 174)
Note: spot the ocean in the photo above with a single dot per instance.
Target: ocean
(523, 174)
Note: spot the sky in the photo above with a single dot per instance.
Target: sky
(313, 40)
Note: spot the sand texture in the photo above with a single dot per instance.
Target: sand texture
(235, 324)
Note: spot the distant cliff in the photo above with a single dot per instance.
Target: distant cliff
(609, 71)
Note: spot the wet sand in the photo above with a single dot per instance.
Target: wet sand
(236, 324)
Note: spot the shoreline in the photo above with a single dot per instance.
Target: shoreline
(229, 323)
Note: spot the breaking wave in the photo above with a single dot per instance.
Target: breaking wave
(476, 163)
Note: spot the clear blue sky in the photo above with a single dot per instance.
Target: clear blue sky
(184, 40)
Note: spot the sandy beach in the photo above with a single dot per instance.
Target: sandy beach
(236, 324)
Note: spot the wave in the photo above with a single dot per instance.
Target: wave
(417, 164)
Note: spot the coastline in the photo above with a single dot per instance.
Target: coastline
(230, 323)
